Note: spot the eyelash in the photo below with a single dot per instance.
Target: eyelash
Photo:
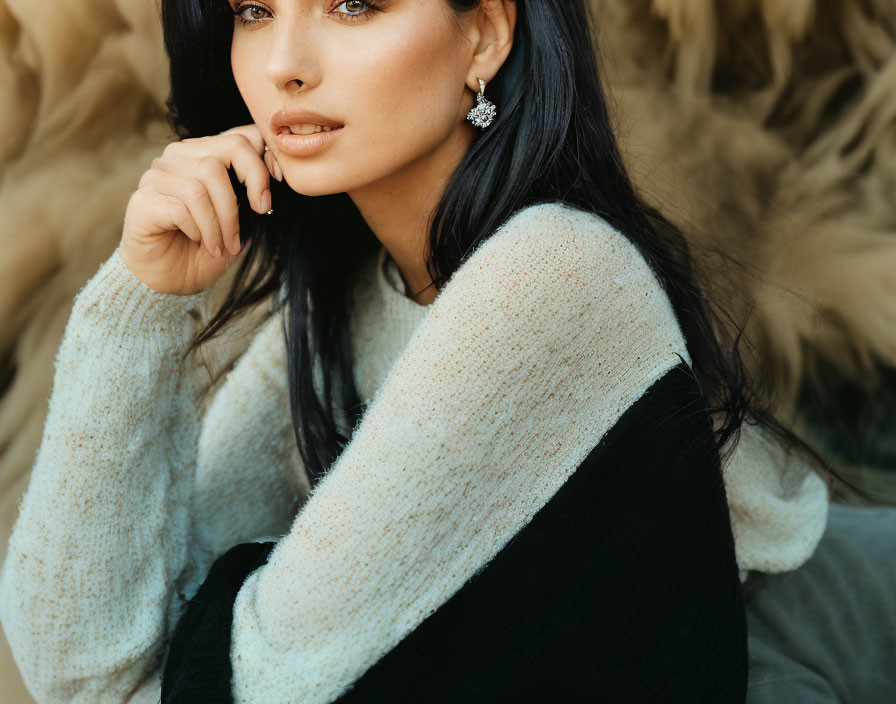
(369, 4)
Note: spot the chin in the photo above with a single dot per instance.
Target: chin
(309, 187)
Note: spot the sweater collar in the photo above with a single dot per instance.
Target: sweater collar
(398, 305)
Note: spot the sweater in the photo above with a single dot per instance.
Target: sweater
(536, 454)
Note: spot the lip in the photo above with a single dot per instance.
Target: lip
(304, 144)
(294, 116)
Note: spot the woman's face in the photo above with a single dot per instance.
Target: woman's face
(395, 73)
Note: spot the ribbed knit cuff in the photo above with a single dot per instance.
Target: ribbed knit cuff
(117, 301)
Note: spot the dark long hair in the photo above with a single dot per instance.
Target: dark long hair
(552, 140)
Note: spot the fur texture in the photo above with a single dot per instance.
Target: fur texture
(766, 129)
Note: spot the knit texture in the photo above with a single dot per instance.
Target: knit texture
(594, 598)
(778, 502)
(482, 405)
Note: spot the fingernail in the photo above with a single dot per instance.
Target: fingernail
(266, 200)
(217, 250)
(277, 172)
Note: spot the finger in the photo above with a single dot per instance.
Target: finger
(181, 217)
(245, 157)
(269, 162)
(217, 182)
(239, 148)
(192, 192)
(163, 213)
(273, 164)
(250, 132)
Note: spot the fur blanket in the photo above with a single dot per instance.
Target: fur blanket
(764, 129)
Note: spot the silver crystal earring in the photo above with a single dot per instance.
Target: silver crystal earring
(485, 111)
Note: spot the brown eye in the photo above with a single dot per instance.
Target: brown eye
(256, 14)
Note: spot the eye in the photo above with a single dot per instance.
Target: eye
(367, 6)
(252, 18)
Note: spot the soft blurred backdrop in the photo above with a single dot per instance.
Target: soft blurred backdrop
(763, 128)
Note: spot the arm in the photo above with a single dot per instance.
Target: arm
(528, 357)
(113, 532)
(101, 531)
(250, 478)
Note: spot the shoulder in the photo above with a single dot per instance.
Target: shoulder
(563, 240)
(548, 229)
(552, 262)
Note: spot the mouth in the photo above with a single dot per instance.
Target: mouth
(306, 128)
(305, 140)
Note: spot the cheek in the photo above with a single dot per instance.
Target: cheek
(405, 95)
(245, 64)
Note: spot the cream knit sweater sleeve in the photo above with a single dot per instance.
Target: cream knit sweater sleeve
(538, 343)
(132, 493)
(250, 478)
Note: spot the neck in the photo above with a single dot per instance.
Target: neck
(399, 209)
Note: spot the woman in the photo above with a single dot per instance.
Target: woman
(480, 457)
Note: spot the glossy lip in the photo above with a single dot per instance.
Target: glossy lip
(304, 144)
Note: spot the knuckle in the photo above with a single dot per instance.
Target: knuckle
(241, 141)
(176, 208)
(135, 198)
(180, 214)
(149, 177)
(172, 211)
(209, 166)
(195, 189)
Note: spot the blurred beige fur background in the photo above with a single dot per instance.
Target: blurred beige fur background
(764, 127)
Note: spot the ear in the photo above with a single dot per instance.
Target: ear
(496, 20)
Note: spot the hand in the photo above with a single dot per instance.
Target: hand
(181, 227)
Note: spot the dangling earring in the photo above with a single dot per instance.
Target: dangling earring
(485, 111)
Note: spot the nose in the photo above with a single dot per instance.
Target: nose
(294, 60)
